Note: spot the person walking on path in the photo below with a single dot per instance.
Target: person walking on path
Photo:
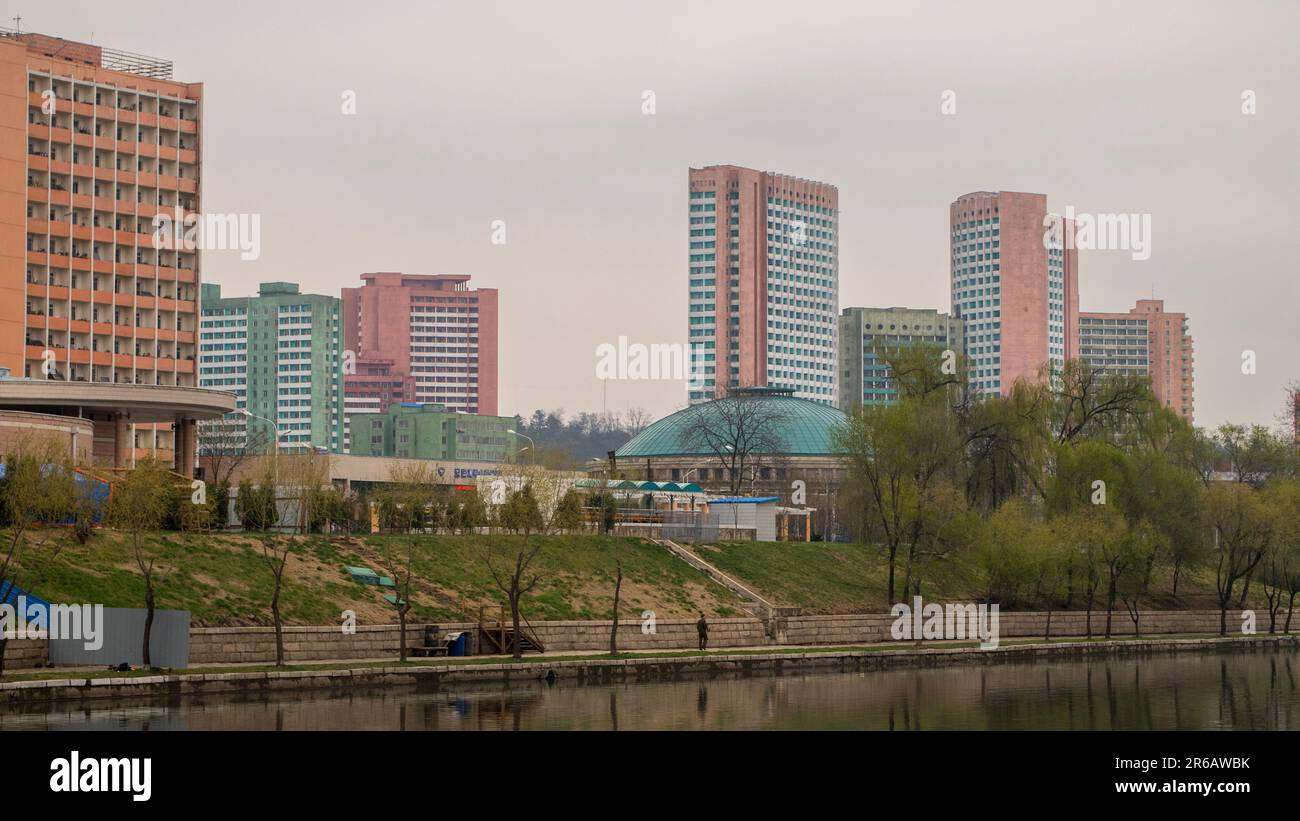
(703, 627)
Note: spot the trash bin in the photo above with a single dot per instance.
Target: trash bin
(458, 644)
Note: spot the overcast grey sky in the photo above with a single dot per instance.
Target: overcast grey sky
(530, 112)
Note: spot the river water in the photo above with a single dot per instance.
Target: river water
(1186, 691)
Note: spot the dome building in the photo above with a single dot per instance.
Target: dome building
(753, 442)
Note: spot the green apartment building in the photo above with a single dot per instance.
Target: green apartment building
(864, 332)
(280, 353)
(421, 431)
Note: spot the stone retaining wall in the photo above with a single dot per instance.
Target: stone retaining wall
(868, 628)
(561, 636)
(26, 653)
(234, 645)
(231, 645)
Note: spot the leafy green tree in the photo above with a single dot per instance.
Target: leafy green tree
(1088, 403)
(219, 494)
(607, 503)
(1142, 545)
(902, 460)
(1005, 442)
(471, 512)
(1171, 498)
(1281, 563)
(1095, 534)
(1054, 565)
(1240, 527)
(1255, 454)
(568, 513)
(255, 504)
(1005, 553)
(521, 512)
(37, 493)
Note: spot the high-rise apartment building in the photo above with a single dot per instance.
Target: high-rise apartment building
(1148, 341)
(280, 353)
(96, 144)
(420, 431)
(764, 282)
(866, 333)
(1018, 297)
(433, 329)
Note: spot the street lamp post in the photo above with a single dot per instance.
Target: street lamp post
(274, 463)
(532, 445)
(246, 412)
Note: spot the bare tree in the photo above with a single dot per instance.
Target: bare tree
(515, 586)
(227, 443)
(613, 630)
(1089, 402)
(738, 430)
(139, 505)
(637, 420)
(303, 477)
(401, 573)
(276, 554)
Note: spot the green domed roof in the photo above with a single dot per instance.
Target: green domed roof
(803, 427)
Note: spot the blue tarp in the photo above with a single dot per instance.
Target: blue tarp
(37, 611)
(87, 487)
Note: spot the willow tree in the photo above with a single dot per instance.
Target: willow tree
(903, 463)
(1240, 530)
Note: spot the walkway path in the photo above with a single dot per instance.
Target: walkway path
(751, 601)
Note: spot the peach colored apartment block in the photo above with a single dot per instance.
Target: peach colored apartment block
(93, 144)
(431, 328)
(1171, 352)
(1146, 340)
(1018, 297)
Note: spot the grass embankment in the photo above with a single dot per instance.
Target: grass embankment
(824, 577)
(223, 580)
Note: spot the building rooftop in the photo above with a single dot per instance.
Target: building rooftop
(91, 55)
(804, 427)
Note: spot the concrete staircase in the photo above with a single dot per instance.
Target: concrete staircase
(751, 601)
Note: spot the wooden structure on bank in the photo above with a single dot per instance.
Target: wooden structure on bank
(500, 637)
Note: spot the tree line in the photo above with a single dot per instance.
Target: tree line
(1077, 491)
